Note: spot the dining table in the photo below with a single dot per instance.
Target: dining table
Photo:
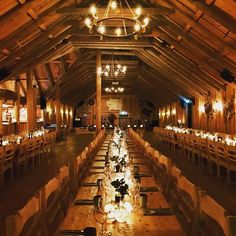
(157, 219)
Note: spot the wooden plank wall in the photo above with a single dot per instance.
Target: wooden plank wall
(220, 121)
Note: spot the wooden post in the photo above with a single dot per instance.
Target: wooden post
(17, 105)
(98, 91)
(1, 126)
(31, 108)
(58, 111)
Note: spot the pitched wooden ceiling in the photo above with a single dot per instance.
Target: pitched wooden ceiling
(183, 52)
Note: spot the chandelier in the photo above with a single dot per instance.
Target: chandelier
(118, 20)
(114, 88)
(113, 69)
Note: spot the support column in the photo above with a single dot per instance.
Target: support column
(31, 108)
(58, 111)
(17, 105)
(98, 91)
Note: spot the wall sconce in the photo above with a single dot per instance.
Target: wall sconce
(201, 108)
(163, 113)
(168, 113)
(218, 106)
(173, 112)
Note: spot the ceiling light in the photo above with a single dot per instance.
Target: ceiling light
(119, 18)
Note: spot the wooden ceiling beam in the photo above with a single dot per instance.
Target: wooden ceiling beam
(29, 26)
(39, 55)
(184, 51)
(217, 14)
(194, 22)
(185, 69)
(164, 94)
(178, 74)
(190, 67)
(79, 11)
(50, 74)
(170, 74)
(38, 41)
(202, 47)
(115, 44)
(38, 82)
(159, 79)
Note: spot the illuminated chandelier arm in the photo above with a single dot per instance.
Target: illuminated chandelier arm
(130, 9)
(125, 30)
(106, 13)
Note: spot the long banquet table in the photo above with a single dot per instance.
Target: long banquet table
(80, 216)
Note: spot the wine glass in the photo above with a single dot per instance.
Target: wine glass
(101, 215)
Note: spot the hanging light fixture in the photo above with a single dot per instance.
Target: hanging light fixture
(114, 88)
(118, 20)
(113, 69)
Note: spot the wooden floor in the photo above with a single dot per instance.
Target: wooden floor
(16, 194)
(217, 189)
(80, 216)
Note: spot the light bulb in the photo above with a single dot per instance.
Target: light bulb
(124, 69)
(146, 21)
(99, 70)
(113, 5)
(119, 66)
(108, 67)
(93, 10)
(138, 11)
(106, 73)
(88, 22)
(116, 73)
(101, 29)
(118, 31)
(137, 27)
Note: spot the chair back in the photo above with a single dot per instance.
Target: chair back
(212, 209)
(15, 223)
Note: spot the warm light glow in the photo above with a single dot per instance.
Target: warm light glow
(114, 11)
(173, 112)
(137, 27)
(124, 69)
(201, 108)
(218, 106)
(102, 29)
(99, 70)
(113, 5)
(88, 22)
(118, 31)
(93, 10)
(138, 11)
(146, 21)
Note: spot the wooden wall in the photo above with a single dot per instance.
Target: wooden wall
(66, 113)
(214, 112)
